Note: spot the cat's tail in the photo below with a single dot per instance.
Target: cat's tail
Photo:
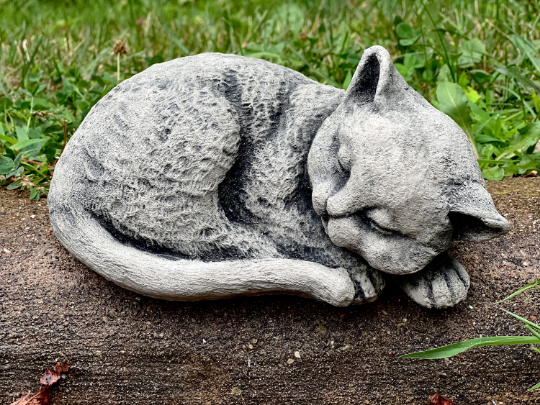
(185, 280)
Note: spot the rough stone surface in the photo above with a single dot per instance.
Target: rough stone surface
(217, 175)
(130, 349)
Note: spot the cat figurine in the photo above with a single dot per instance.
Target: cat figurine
(215, 175)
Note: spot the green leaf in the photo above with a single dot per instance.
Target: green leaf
(23, 144)
(454, 103)
(472, 52)
(409, 42)
(462, 81)
(493, 173)
(6, 165)
(483, 138)
(30, 168)
(18, 159)
(487, 150)
(21, 134)
(511, 168)
(456, 348)
(8, 139)
(34, 193)
(445, 75)
(14, 185)
(536, 102)
(527, 163)
(404, 71)
(479, 113)
(531, 135)
(404, 30)
(408, 36)
(16, 173)
(472, 94)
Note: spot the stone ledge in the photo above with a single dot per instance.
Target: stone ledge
(129, 349)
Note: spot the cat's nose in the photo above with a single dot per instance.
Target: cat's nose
(344, 202)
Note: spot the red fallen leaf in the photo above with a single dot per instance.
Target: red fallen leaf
(49, 378)
(437, 399)
(27, 399)
(39, 398)
(53, 375)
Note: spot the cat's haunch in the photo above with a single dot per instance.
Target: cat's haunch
(216, 175)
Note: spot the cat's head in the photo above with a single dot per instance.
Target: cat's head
(394, 179)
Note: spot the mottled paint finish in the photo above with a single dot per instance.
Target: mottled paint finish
(216, 175)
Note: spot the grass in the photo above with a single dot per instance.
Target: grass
(474, 60)
(457, 348)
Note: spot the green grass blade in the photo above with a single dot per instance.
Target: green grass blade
(456, 348)
(488, 161)
(533, 332)
(3, 89)
(534, 387)
(315, 71)
(447, 59)
(514, 74)
(526, 321)
(176, 40)
(522, 289)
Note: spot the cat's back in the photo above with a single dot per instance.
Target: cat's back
(162, 141)
(178, 114)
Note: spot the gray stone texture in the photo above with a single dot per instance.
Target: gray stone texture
(217, 175)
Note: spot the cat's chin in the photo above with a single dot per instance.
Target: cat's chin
(386, 253)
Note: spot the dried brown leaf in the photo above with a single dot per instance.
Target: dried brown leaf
(49, 378)
(437, 399)
(24, 400)
(53, 375)
(62, 367)
(33, 399)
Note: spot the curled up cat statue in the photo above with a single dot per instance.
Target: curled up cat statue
(214, 175)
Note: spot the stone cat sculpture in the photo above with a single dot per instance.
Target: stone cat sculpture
(217, 175)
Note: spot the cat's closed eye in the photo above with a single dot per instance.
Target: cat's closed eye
(379, 221)
(344, 160)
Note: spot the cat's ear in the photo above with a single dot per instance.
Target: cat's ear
(375, 79)
(474, 216)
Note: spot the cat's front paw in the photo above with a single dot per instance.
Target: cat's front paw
(368, 284)
(441, 284)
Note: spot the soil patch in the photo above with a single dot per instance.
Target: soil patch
(125, 348)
